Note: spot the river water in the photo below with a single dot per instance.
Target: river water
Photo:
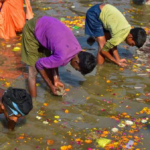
(96, 103)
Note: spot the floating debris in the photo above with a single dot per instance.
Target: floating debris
(38, 117)
(8, 46)
(73, 7)
(144, 121)
(61, 91)
(114, 130)
(139, 99)
(129, 123)
(102, 142)
(121, 125)
(45, 122)
(15, 49)
(130, 144)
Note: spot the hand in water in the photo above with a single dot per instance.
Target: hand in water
(122, 61)
(58, 89)
(59, 84)
(123, 64)
(54, 89)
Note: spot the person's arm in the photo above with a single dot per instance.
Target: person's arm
(57, 82)
(104, 48)
(56, 74)
(101, 41)
(116, 55)
(110, 57)
(114, 51)
(52, 61)
(48, 81)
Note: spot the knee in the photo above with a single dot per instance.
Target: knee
(32, 73)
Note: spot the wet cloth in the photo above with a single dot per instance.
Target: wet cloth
(53, 36)
(112, 20)
(32, 50)
(12, 17)
(93, 25)
(17, 101)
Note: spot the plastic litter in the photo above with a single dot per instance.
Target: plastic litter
(102, 142)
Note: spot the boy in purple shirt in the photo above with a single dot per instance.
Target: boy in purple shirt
(47, 44)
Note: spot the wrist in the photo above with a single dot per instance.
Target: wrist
(118, 63)
(118, 60)
(56, 78)
(114, 61)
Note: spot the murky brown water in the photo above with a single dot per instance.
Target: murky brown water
(95, 102)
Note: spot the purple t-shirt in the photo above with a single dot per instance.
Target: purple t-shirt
(56, 37)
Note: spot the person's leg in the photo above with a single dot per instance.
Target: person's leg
(94, 28)
(100, 58)
(29, 13)
(101, 41)
(32, 81)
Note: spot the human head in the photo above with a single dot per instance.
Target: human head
(91, 40)
(137, 37)
(84, 62)
(139, 2)
(16, 103)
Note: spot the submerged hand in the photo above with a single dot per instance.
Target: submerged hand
(59, 84)
(122, 61)
(54, 89)
(123, 64)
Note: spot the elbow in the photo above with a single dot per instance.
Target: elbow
(38, 65)
(60, 61)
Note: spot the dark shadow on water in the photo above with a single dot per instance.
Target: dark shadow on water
(68, 77)
(124, 53)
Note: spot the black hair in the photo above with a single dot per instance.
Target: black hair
(139, 36)
(18, 96)
(139, 2)
(91, 41)
(87, 62)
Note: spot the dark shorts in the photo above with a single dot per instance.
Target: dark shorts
(93, 24)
